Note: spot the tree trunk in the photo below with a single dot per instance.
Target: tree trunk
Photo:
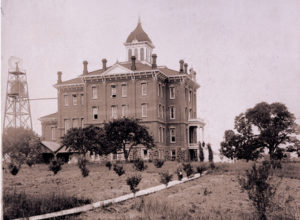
(125, 153)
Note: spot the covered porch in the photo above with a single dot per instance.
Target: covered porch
(195, 134)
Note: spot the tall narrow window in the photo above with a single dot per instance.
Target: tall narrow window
(113, 91)
(142, 54)
(95, 113)
(144, 110)
(190, 113)
(129, 54)
(124, 90)
(67, 125)
(190, 96)
(81, 99)
(163, 112)
(172, 112)
(75, 123)
(172, 135)
(162, 91)
(124, 111)
(172, 92)
(136, 53)
(74, 99)
(53, 135)
(81, 122)
(114, 112)
(163, 135)
(144, 89)
(159, 133)
(158, 90)
(66, 100)
(159, 110)
(94, 92)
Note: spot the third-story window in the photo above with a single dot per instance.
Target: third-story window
(144, 110)
(163, 135)
(159, 110)
(159, 90)
(113, 91)
(144, 89)
(124, 110)
(67, 125)
(190, 96)
(95, 113)
(159, 133)
(74, 99)
(190, 113)
(172, 92)
(66, 100)
(172, 135)
(53, 135)
(94, 92)
(124, 90)
(163, 112)
(172, 112)
(81, 99)
(114, 112)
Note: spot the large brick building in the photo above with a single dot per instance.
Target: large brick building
(164, 100)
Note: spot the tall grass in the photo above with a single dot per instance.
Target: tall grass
(18, 205)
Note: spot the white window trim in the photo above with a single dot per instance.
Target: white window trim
(66, 100)
(171, 128)
(114, 116)
(144, 83)
(111, 90)
(122, 86)
(93, 115)
(158, 91)
(144, 114)
(174, 110)
(124, 114)
(73, 99)
(94, 95)
(171, 88)
(66, 120)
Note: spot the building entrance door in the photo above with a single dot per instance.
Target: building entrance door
(193, 155)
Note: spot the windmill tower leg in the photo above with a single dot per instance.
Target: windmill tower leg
(17, 106)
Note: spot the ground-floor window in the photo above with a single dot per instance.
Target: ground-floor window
(173, 154)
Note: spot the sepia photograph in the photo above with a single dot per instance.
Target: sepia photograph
(161, 109)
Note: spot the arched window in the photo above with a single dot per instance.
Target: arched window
(142, 54)
(129, 54)
(136, 53)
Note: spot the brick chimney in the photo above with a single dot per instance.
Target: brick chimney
(186, 68)
(85, 70)
(181, 66)
(59, 77)
(104, 61)
(133, 66)
(154, 65)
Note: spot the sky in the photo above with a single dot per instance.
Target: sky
(244, 51)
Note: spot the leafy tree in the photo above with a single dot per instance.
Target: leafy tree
(265, 126)
(201, 153)
(21, 146)
(83, 140)
(210, 153)
(125, 134)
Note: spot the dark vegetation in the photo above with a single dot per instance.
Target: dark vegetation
(133, 182)
(139, 165)
(188, 169)
(119, 169)
(158, 163)
(165, 177)
(20, 205)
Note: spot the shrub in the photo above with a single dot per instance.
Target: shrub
(55, 165)
(139, 165)
(179, 173)
(201, 169)
(210, 153)
(14, 168)
(159, 163)
(82, 166)
(260, 190)
(108, 165)
(201, 153)
(212, 165)
(188, 169)
(165, 177)
(133, 182)
(119, 169)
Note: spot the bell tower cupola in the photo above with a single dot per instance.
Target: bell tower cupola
(138, 44)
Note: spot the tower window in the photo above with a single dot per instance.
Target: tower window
(144, 89)
(144, 110)
(95, 113)
(74, 99)
(81, 99)
(129, 54)
(172, 112)
(94, 92)
(172, 135)
(172, 92)
(113, 91)
(124, 90)
(66, 100)
(142, 54)
(136, 53)
(114, 112)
